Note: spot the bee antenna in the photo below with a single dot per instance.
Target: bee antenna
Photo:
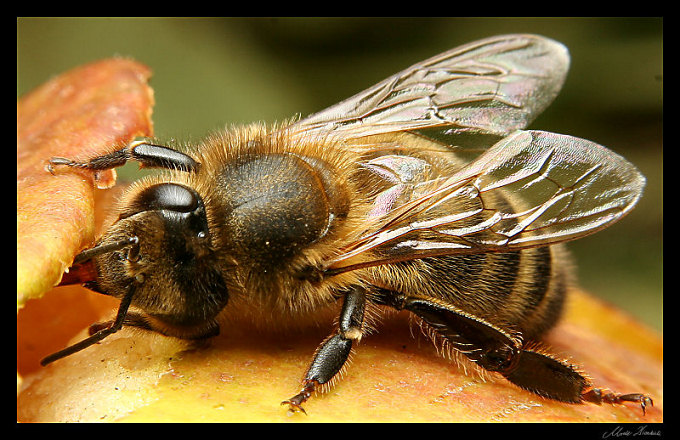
(101, 334)
(105, 248)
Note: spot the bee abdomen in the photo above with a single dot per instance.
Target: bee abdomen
(548, 289)
(523, 289)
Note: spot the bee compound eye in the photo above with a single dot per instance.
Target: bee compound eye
(164, 197)
(169, 196)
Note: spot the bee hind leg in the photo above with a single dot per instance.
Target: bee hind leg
(333, 353)
(544, 374)
(497, 350)
(500, 351)
(526, 365)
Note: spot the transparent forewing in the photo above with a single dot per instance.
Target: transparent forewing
(566, 188)
(492, 86)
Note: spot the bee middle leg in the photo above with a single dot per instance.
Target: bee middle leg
(333, 353)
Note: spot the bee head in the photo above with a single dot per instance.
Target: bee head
(169, 262)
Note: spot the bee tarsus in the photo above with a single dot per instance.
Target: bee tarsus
(599, 396)
(295, 402)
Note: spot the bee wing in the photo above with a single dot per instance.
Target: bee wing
(568, 187)
(491, 86)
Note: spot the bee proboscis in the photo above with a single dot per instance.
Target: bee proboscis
(372, 205)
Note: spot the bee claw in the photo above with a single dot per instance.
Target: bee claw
(599, 396)
(644, 401)
(58, 161)
(293, 407)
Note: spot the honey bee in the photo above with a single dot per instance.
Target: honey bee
(369, 206)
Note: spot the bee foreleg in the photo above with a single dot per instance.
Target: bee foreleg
(333, 353)
(148, 155)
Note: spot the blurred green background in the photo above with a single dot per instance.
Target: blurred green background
(216, 71)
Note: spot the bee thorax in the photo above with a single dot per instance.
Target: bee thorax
(277, 204)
